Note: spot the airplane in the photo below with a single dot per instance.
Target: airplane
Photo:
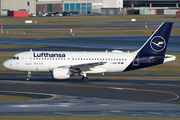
(64, 65)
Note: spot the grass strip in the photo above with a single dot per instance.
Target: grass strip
(12, 98)
(108, 31)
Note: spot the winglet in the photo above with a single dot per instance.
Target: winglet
(158, 42)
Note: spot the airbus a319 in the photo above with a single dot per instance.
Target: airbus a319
(64, 65)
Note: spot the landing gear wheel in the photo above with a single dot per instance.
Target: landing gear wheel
(28, 79)
(85, 79)
(28, 76)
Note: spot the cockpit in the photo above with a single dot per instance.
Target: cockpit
(15, 58)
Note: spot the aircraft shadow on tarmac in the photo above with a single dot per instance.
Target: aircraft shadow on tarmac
(48, 78)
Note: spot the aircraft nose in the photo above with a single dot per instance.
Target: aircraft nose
(6, 64)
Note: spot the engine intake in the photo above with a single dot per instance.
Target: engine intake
(61, 73)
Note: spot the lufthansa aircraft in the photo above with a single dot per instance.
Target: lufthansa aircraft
(64, 65)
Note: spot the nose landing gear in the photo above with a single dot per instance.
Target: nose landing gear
(28, 76)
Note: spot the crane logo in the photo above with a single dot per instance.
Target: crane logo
(158, 43)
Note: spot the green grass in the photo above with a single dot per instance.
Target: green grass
(47, 117)
(52, 32)
(12, 98)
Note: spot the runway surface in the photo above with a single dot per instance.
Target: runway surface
(98, 97)
(94, 43)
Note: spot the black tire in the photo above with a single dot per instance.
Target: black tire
(85, 79)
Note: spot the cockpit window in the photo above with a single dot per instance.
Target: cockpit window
(15, 58)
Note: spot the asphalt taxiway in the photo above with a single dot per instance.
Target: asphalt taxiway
(98, 97)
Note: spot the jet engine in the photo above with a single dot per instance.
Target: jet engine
(61, 73)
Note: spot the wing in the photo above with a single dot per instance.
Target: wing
(86, 66)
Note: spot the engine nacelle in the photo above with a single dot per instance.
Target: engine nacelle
(61, 73)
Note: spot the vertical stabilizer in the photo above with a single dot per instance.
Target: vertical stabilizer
(153, 51)
(157, 43)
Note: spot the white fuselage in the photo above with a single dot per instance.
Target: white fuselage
(44, 61)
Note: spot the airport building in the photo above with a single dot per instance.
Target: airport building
(105, 7)
(152, 7)
(17, 5)
(151, 3)
(49, 6)
(81, 6)
(108, 7)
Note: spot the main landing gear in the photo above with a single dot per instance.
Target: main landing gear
(84, 78)
(28, 76)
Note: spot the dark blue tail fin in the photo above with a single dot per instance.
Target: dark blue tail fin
(157, 43)
(153, 51)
